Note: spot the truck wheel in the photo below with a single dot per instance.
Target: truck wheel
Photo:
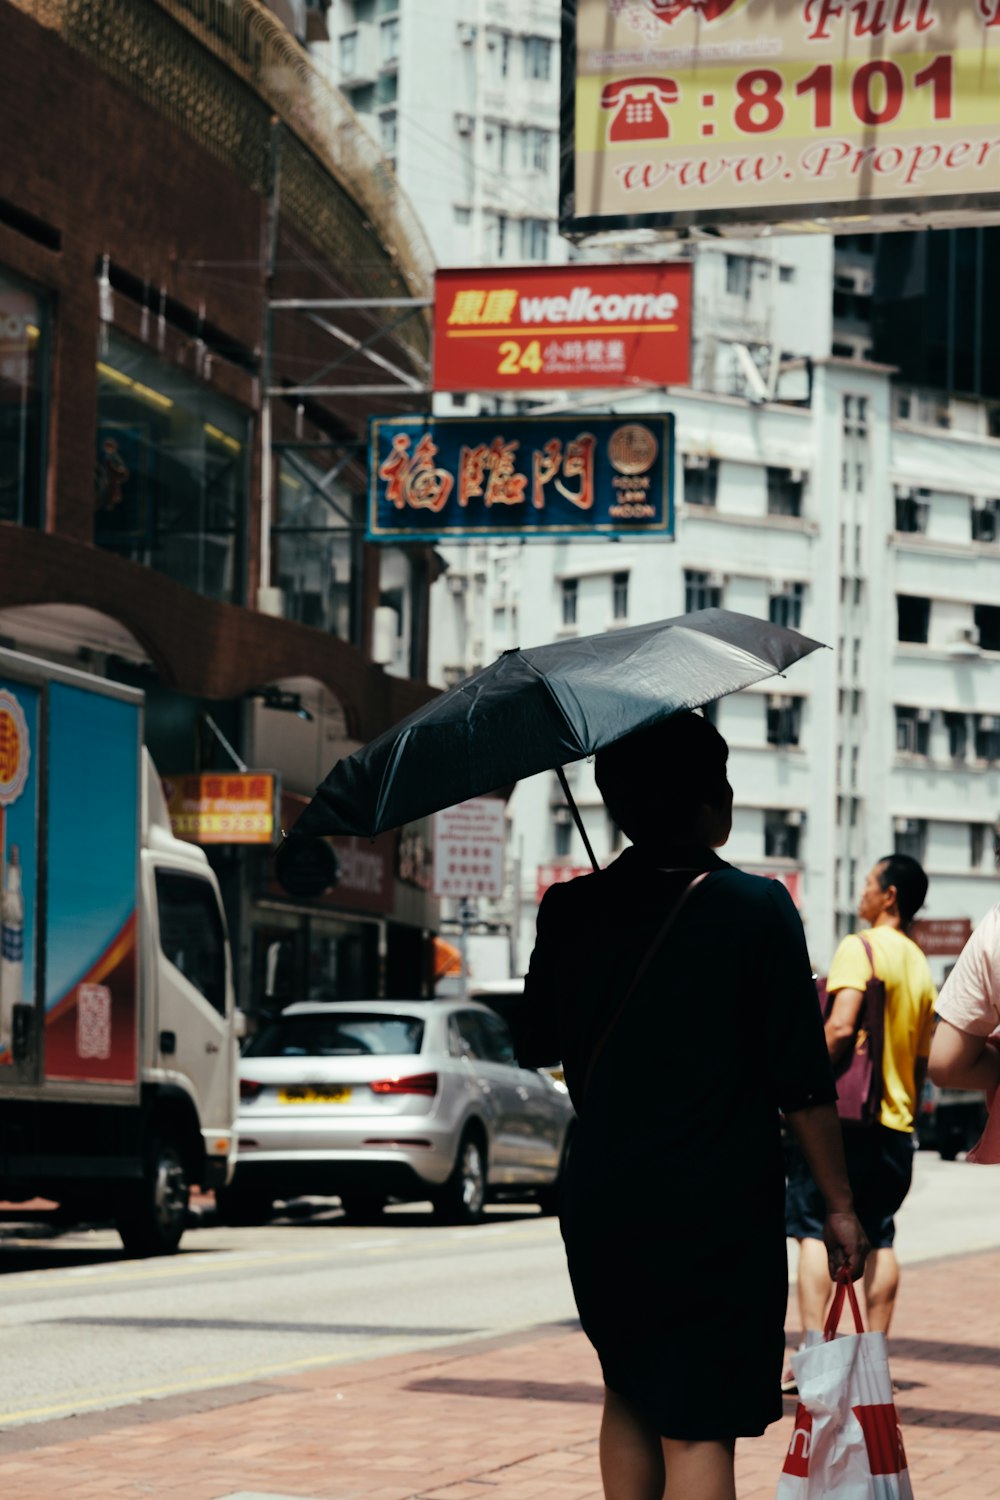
(463, 1196)
(242, 1207)
(151, 1218)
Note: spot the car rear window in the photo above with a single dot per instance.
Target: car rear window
(347, 1034)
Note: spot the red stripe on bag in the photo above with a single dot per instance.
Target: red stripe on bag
(883, 1438)
(797, 1462)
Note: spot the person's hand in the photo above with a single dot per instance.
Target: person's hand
(846, 1244)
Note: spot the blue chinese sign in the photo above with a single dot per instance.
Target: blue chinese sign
(448, 477)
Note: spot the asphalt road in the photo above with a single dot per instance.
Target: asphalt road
(84, 1329)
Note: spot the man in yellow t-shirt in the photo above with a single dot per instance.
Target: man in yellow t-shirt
(879, 1157)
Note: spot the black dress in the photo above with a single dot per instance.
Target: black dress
(673, 1216)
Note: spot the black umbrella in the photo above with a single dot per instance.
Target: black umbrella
(541, 708)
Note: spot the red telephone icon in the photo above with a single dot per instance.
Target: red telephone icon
(638, 104)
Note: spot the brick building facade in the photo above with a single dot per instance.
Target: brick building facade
(171, 166)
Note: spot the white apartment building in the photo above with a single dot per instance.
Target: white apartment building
(861, 520)
(463, 96)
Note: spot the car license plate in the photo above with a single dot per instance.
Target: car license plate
(313, 1094)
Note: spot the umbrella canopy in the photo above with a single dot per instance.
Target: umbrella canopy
(541, 708)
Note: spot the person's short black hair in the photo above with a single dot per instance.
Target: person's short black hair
(907, 875)
(654, 781)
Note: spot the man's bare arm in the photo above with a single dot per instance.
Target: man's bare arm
(842, 1022)
(960, 1060)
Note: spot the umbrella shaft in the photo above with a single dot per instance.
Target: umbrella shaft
(576, 816)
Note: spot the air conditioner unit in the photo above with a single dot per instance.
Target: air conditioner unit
(795, 818)
(457, 583)
(923, 715)
(775, 700)
(715, 580)
(905, 825)
(465, 124)
(796, 476)
(696, 460)
(903, 492)
(979, 502)
(466, 34)
(988, 724)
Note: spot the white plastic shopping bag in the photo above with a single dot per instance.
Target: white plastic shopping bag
(847, 1444)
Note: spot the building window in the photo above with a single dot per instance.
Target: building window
(739, 275)
(701, 591)
(349, 53)
(535, 239)
(855, 431)
(910, 837)
(977, 844)
(503, 55)
(784, 492)
(562, 841)
(987, 618)
(570, 594)
(615, 836)
(314, 557)
(781, 834)
(957, 726)
(500, 236)
(619, 596)
(913, 618)
(23, 353)
(389, 41)
(912, 511)
(535, 149)
(988, 739)
(537, 57)
(784, 720)
(785, 608)
(786, 273)
(462, 215)
(171, 473)
(985, 520)
(503, 141)
(701, 479)
(388, 125)
(913, 731)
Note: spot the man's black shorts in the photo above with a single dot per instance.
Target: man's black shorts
(879, 1167)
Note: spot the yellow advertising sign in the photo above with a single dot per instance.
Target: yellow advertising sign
(222, 808)
(701, 112)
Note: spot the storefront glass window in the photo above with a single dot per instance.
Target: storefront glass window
(171, 475)
(313, 550)
(23, 353)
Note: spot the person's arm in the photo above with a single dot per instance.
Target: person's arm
(960, 1060)
(817, 1130)
(803, 1079)
(842, 1023)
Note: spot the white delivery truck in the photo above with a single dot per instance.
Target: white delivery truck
(118, 1050)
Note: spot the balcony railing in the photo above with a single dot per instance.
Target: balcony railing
(220, 69)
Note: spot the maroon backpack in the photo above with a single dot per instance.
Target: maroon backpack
(859, 1074)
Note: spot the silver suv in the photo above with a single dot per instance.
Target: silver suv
(378, 1099)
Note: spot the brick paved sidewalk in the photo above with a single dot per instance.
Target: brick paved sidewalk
(513, 1418)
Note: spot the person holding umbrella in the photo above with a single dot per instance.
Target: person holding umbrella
(678, 995)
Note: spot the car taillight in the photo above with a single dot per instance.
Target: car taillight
(415, 1083)
(250, 1090)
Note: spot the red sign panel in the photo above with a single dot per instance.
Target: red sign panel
(557, 875)
(552, 327)
(944, 937)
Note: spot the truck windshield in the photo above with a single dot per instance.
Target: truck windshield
(347, 1034)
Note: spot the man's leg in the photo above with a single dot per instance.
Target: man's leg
(815, 1288)
(881, 1286)
(699, 1471)
(631, 1453)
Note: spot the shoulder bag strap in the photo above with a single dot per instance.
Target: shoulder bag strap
(868, 951)
(639, 975)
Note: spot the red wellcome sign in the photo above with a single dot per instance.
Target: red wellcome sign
(553, 327)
